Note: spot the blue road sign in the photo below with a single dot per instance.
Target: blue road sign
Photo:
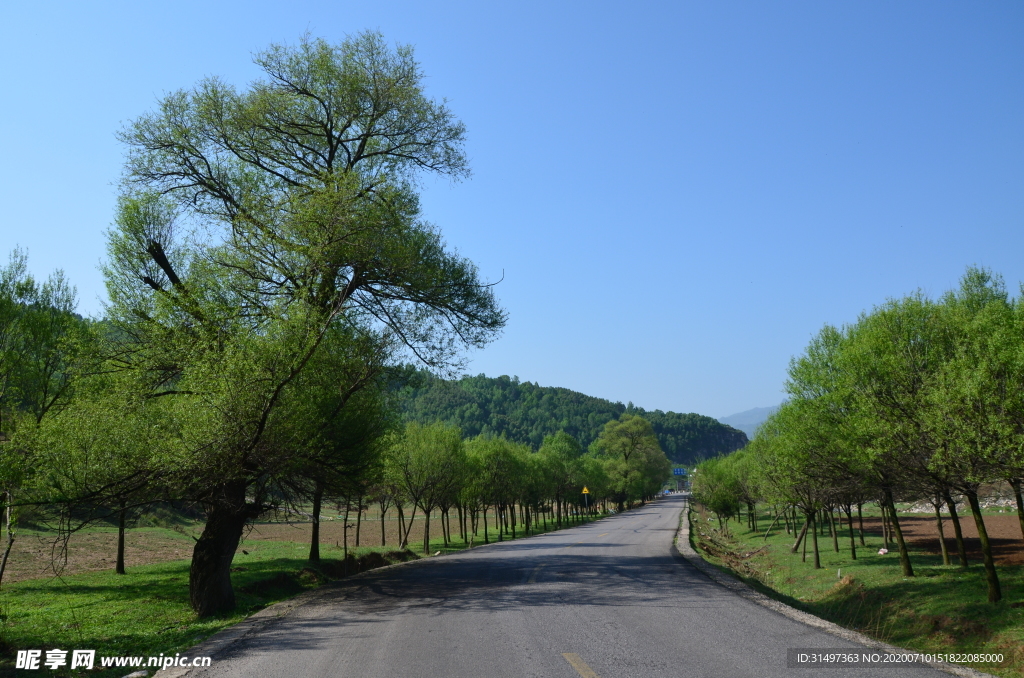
(679, 471)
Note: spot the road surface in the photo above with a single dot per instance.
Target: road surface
(607, 600)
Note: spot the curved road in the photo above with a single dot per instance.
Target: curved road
(607, 600)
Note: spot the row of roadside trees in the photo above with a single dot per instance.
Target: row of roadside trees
(920, 400)
(432, 467)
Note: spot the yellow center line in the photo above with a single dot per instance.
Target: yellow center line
(604, 535)
(580, 665)
(533, 575)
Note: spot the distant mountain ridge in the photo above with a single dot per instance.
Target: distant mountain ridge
(526, 412)
(748, 420)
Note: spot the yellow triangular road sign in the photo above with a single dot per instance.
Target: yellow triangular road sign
(585, 490)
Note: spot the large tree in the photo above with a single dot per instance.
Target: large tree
(258, 228)
(634, 459)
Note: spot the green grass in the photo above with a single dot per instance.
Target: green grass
(146, 612)
(941, 609)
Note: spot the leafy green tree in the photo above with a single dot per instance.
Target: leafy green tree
(503, 466)
(40, 340)
(716, 486)
(800, 462)
(635, 461)
(95, 456)
(255, 227)
(977, 410)
(559, 458)
(892, 357)
(473, 493)
(827, 430)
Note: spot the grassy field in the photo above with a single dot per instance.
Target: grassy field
(941, 609)
(146, 612)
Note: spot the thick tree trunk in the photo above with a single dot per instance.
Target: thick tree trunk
(994, 592)
(908, 570)
(961, 548)
(209, 582)
(314, 540)
(383, 511)
(119, 563)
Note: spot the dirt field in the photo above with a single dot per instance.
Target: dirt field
(32, 554)
(1003, 532)
(332, 531)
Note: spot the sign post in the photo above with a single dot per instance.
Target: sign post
(679, 481)
(586, 499)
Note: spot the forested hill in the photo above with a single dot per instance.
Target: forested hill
(526, 412)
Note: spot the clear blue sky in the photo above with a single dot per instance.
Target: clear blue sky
(678, 195)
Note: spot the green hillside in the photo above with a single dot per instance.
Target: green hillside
(526, 412)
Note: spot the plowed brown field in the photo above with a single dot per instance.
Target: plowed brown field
(1003, 532)
(33, 554)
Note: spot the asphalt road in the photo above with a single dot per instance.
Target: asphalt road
(607, 600)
